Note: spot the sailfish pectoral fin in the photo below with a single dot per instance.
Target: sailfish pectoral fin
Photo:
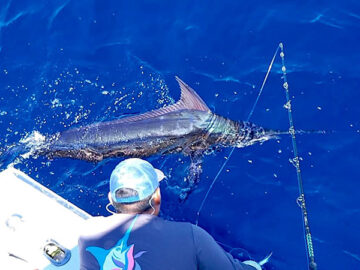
(193, 177)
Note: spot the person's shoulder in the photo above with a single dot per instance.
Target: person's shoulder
(93, 223)
(198, 230)
(201, 235)
(176, 223)
(101, 223)
(180, 227)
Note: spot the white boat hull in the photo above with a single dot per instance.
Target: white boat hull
(30, 215)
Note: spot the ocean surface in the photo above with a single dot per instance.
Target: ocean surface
(70, 63)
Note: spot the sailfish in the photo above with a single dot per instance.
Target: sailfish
(187, 126)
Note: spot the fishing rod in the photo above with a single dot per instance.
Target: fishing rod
(296, 163)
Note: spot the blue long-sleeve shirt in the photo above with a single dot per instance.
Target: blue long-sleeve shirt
(146, 242)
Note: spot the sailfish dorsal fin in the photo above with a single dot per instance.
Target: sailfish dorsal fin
(189, 100)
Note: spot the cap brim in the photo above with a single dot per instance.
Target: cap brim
(160, 175)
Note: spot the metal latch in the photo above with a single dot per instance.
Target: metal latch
(56, 253)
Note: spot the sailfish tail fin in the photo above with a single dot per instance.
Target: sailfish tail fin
(22, 149)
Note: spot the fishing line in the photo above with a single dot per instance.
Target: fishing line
(232, 149)
(210, 187)
(263, 84)
(296, 162)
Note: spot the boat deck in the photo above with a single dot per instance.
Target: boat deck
(30, 216)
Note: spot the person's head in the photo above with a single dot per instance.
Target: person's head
(134, 187)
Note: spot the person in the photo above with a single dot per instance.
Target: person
(135, 238)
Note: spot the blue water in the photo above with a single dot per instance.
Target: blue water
(71, 63)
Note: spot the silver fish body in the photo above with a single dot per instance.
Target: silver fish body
(187, 126)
